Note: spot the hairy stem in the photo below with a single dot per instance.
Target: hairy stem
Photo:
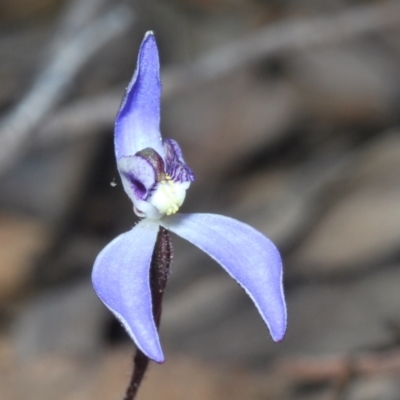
(159, 271)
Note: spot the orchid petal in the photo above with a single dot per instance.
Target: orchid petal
(176, 167)
(138, 176)
(137, 125)
(247, 255)
(121, 280)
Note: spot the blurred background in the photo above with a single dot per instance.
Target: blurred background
(288, 113)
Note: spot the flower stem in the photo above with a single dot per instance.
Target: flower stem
(159, 272)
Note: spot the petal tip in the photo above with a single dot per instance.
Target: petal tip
(148, 48)
(153, 349)
(149, 34)
(148, 44)
(278, 338)
(153, 352)
(160, 359)
(278, 333)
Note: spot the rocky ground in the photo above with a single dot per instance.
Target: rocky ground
(288, 114)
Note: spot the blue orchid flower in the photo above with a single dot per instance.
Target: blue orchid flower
(156, 177)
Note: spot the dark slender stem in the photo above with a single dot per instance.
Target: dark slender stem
(159, 271)
(140, 364)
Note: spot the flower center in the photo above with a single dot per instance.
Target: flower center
(168, 195)
(156, 186)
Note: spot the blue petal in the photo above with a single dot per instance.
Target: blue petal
(137, 125)
(176, 167)
(121, 280)
(138, 176)
(247, 255)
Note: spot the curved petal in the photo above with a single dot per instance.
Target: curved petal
(137, 125)
(247, 255)
(120, 278)
(138, 176)
(176, 167)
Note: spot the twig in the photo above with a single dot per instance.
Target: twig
(289, 35)
(73, 18)
(91, 115)
(50, 86)
(83, 117)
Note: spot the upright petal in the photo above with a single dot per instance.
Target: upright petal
(121, 280)
(176, 167)
(137, 125)
(247, 255)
